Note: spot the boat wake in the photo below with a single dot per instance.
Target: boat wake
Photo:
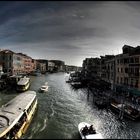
(44, 125)
(34, 130)
(52, 110)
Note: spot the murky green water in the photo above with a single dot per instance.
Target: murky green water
(61, 109)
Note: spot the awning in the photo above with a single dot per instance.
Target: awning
(131, 90)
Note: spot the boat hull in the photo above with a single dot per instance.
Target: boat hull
(24, 89)
(14, 126)
(44, 90)
(25, 126)
(89, 136)
(126, 115)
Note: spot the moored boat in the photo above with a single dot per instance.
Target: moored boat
(88, 133)
(23, 84)
(17, 114)
(13, 80)
(76, 84)
(126, 110)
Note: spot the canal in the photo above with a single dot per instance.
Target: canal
(61, 109)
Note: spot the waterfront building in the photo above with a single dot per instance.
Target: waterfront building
(16, 63)
(51, 66)
(6, 60)
(107, 69)
(11, 62)
(42, 65)
(91, 68)
(34, 64)
(128, 69)
(1, 70)
(121, 71)
(59, 65)
(28, 66)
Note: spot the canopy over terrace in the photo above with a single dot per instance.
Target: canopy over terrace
(126, 89)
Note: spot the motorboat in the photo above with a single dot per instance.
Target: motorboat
(88, 134)
(44, 88)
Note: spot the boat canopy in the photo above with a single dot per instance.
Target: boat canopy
(23, 81)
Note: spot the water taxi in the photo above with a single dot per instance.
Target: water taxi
(16, 115)
(87, 133)
(44, 88)
(23, 84)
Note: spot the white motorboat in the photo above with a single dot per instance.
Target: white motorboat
(89, 134)
(44, 88)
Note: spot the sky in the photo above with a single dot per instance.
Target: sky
(69, 30)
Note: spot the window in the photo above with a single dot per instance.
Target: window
(125, 81)
(131, 83)
(10, 57)
(126, 60)
(136, 60)
(137, 82)
(118, 69)
(136, 71)
(126, 70)
(121, 61)
(118, 61)
(131, 60)
(121, 80)
(118, 80)
(131, 70)
(121, 70)
(3, 57)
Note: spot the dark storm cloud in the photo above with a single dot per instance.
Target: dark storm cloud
(35, 27)
(69, 29)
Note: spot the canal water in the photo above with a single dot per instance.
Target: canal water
(61, 109)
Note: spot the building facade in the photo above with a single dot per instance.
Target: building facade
(128, 70)
(16, 63)
(59, 65)
(121, 71)
(51, 66)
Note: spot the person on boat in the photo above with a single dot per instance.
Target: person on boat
(85, 130)
(92, 130)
